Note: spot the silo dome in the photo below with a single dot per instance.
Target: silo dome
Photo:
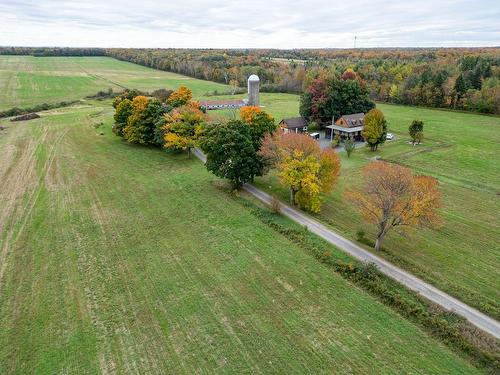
(254, 77)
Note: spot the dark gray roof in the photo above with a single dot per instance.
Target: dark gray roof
(294, 122)
(356, 119)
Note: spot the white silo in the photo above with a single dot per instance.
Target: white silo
(253, 90)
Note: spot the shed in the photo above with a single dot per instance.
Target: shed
(293, 125)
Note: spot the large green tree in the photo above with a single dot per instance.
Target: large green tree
(231, 153)
(331, 97)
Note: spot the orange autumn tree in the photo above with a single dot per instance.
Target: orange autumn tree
(391, 196)
(302, 166)
(180, 97)
(260, 122)
(248, 113)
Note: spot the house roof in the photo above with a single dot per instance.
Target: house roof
(345, 129)
(294, 122)
(354, 120)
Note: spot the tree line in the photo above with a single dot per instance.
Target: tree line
(52, 51)
(464, 79)
(456, 78)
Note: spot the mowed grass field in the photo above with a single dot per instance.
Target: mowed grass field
(28, 80)
(118, 259)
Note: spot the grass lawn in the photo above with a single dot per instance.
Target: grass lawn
(462, 257)
(28, 80)
(122, 259)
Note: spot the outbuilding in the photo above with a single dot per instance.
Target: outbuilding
(293, 125)
(222, 104)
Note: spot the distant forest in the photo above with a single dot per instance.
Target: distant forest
(457, 78)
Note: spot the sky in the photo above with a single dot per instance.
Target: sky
(250, 24)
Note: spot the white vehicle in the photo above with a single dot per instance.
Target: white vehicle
(389, 136)
(314, 136)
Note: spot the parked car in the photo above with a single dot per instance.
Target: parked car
(314, 136)
(390, 136)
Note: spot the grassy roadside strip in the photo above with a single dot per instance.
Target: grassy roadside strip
(454, 331)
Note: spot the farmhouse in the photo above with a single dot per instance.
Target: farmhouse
(293, 125)
(348, 126)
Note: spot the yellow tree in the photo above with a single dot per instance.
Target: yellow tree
(392, 197)
(132, 132)
(180, 97)
(300, 174)
(183, 127)
(302, 166)
(375, 128)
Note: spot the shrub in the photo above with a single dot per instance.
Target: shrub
(313, 126)
(416, 130)
(349, 146)
(28, 116)
(275, 205)
(335, 141)
(100, 95)
(360, 235)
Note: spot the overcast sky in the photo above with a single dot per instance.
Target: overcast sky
(258, 23)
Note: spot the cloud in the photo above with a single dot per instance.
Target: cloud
(249, 24)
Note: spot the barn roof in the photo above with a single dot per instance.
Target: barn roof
(221, 102)
(294, 122)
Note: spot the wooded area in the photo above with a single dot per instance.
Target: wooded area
(458, 78)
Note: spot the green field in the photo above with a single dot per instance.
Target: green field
(122, 259)
(28, 80)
